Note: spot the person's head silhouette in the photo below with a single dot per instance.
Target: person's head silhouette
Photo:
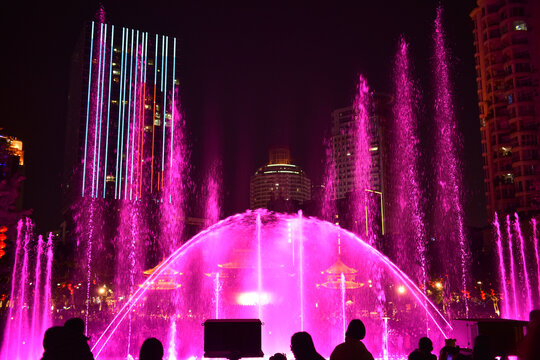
(302, 345)
(75, 326)
(425, 345)
(55, 341)
(151, 349)
(356, 330)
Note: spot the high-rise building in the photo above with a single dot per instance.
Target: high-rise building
(120, 127)
(507, 57)
(343, 146)
(280, 179)
(11, 180)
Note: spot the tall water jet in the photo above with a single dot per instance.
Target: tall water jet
(328, 206)
(537, 257)
(8, 328)
(448, 220)
(259, 268)
(30, 297)
(301, 265)
(46, 320)
(212, 208)
(408, 216)
(21, 315)
(513, 278)
(35, 328)
(362, 157)
(343, 315)
(174, 180)
(502, 270)
(526, 277)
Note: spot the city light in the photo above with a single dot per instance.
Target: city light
(401, 289)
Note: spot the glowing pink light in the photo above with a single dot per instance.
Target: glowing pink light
(449, 211)
(502, 270)
(512, 268)
(535, 241)
(517, 227)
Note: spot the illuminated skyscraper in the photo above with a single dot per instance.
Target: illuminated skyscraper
(121, 118)
(507, 56)
(343, 146)
(279, 180)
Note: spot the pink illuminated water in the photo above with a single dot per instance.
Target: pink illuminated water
(537, 257)
(30, 297)
(213, 194)
(519, 287)
(252, 254)
(502, 270)
(35, 328)
(362, 158)
(526, 276)
(407, 215)
(448, 220)
(513, 278)
(328, 207)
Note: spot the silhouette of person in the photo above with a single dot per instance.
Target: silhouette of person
(482, 348)
(449, 350)
(303, 348)
(78, 341)
(353, 348)
(54, 344)
(151, 349)
(425, 347)
(529, 348)
(278, 356)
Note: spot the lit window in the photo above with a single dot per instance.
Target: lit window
(520, 25)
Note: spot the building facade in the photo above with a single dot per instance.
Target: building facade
(122, 113)
(507, 49)
(278, 180)
(343, 146)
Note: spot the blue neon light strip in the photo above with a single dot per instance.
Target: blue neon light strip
(123, 114)
(108, 113)
(129, 113)
(173, 107)
(164, 106)
(97, 111)
(88, 106)
(101, 110)
(116, 179)
(162, 58)
(133, 132)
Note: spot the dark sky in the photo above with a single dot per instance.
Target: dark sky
(252, 76)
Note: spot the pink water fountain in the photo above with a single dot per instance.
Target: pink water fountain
(247, 266)
(30, 301)
(518, 267)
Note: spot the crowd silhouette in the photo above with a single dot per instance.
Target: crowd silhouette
(69, 342)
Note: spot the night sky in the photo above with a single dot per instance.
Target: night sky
(251, 77)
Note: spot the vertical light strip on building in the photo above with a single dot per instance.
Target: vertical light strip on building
(162, 58)
(108, 113)
(97, 110)
(101, 108)
(154, 120)
(134, 117)
(143, 113)
(88, 106)
(116, 179)
(123, 112)
(173, 108)
(164, 109)
(129, 112)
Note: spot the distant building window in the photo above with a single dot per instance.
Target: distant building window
(520, 25)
